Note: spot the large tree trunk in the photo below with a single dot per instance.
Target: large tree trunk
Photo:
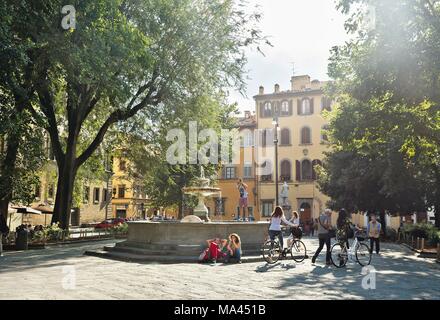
(7, 172)
(63, 203)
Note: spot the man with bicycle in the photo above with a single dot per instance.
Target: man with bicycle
(324, 236)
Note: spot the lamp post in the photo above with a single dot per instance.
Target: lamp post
(275, 141)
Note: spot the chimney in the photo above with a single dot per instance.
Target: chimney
(277, 88)
(261, 90)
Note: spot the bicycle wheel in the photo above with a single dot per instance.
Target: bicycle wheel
(271, 251)
(298, 251)
(363, 255)
(339, 255)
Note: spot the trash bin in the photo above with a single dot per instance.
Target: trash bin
(21, 243)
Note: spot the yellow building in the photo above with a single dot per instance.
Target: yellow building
(227, 207)
(91, 208)
(129, 199)
(302, 143)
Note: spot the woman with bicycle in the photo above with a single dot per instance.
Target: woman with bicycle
(275, 225)
(345, 229)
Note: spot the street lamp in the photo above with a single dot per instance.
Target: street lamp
(275, 122)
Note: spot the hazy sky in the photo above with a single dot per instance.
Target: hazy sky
(302, 31)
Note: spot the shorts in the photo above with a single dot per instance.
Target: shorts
(243, 203)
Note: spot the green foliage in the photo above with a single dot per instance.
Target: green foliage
(391, 234)
(386, 126)
(49, 233)
(120, 229)
(423, 230)
(124, 59)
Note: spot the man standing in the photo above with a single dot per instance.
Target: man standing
(373, 231)
(243, 201)
(324, 225)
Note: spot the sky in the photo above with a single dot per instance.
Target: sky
(301, 31)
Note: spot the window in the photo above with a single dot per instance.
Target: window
(250, 211)
(324, 133)
(37, 191)
(51, 191)
(285, 108)
(96, 195)
(220, 206)
(305, 107)
(122, 165)
(86, 196)
(285, 137)
(121, 191)
(267, 208)
(247, 170)
(326, 104)
(248, 139)
(267, 110)
(229, 173)
(306, 135)
(306, 170)
(104, 195)
(285, 170)
(267, 169)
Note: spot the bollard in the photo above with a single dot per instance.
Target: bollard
(438, 252)
(422, 244)
(418, 243)
(412, 241)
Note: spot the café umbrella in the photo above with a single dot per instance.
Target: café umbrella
(45, 209)
(22, 210)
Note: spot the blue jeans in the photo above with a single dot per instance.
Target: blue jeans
(236, 255)
(279, 234)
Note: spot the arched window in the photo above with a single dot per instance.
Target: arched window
(305, 106)
(285, 136)
(306, 170)
(285, 108)
(267, 112)
(286, 170)
(306, 135)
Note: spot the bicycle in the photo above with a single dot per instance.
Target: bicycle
(359, 250)
(272, 252)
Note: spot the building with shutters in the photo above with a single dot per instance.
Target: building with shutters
(226, 207)
(302, 143)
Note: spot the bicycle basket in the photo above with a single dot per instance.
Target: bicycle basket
(297, 232)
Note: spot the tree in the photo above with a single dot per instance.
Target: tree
(388, 116)
(146, 150)
(126, 58)
(23, 141)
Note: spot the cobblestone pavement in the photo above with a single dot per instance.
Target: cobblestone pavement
(42, 274)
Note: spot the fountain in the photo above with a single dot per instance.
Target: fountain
(201, 190)
(183, 241)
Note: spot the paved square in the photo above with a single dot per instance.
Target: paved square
(48, 274)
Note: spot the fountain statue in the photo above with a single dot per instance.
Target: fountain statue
(202, 190)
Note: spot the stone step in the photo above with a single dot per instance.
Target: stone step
(182, 247)
(178, 252)
(131, 257)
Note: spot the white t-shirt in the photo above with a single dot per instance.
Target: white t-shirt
(275, 223)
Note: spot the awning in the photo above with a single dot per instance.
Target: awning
(44, 208)
(26, 210)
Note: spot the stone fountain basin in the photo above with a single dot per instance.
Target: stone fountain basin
(195, 234)
(176, 242)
